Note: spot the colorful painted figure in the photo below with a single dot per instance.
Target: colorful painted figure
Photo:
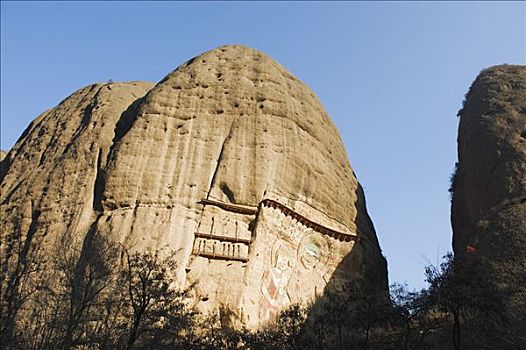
(275, 281)
(313, 251)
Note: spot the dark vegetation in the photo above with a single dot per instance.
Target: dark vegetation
(104, 297)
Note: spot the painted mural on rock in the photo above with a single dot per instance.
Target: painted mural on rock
(273, 254)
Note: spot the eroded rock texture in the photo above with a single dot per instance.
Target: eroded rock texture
(230, 161)
(489, 187)
(49, 178)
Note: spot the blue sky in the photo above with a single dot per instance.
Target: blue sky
(392, 75)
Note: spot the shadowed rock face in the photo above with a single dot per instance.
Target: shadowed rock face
(229, 160)
(489, 187)
(48, 179)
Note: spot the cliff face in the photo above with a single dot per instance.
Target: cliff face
(230, 161)
(489, 187)
(49, 177)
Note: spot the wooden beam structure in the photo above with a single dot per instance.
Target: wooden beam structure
(222, 238)
(221, 256)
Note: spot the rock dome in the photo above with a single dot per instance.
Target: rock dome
(230, 161)
(489, 186)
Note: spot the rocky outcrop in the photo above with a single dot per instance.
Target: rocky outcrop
(489, 186)
(48, 179)
(230, 161)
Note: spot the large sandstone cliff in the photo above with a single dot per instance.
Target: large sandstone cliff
(230, 161)
(489, 186)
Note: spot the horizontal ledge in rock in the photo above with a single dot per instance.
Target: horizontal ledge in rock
(221, 256)
(236, 208)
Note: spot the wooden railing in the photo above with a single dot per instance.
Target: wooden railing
(223, 238)
(221, 256)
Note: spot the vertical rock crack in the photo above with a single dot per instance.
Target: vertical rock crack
(212, 183)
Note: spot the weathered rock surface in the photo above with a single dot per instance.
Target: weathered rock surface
(229, 160)
(2, 155)
(48, 178)
(489, 187)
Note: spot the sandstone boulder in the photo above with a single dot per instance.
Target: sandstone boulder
(489, 186)
(230, 161)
